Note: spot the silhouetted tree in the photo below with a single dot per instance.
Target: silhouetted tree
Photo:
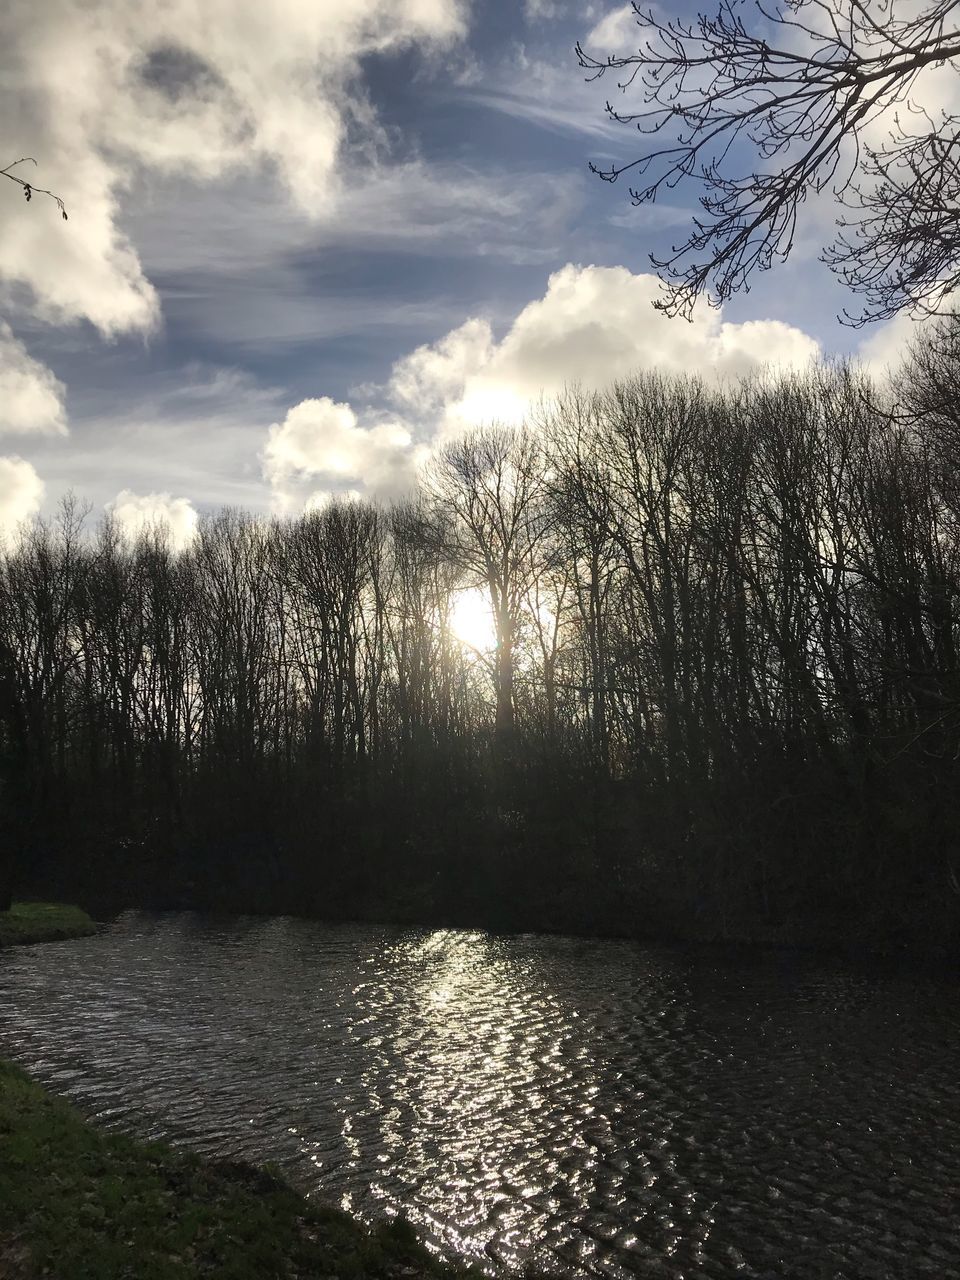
(724, 697)
(488, 490)
(815, 97)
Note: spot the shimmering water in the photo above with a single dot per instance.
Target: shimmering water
(581, 1107)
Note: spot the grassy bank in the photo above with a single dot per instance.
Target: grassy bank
(77, 1203)
(43, 922)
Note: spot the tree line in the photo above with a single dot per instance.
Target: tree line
(723, 698)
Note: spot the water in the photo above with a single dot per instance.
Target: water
(580, 1107)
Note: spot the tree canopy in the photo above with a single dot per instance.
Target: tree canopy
(814, 97)
(719, 695)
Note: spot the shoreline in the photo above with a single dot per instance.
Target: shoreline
(77, 1201)
(29, 922)
(841, 943)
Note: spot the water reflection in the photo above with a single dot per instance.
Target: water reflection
(575, 1106)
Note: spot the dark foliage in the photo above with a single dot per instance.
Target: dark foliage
(725, 700)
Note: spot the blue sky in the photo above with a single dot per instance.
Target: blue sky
(299, 253)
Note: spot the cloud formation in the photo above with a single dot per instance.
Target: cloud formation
(885, 347)
(592, 326)
(204, 89)
(139, 513)
(436, 373)
(320, 439)
(21, 493)
(617, 32)
(31, 397)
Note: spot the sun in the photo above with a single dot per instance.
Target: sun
(472, 621)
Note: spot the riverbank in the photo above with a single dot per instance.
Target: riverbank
(78, 1203)
(43, 922)
(649, 922)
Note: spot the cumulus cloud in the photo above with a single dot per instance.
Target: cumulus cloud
(321, 498)
(138, 513)
(884, 348)
(21, 493)
(203, 89)
(31, 397)
(617, 32)
(321, 438)
(436, 373)
(592, 326)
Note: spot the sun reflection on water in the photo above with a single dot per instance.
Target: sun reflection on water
(552, 1104)
(496, 1117)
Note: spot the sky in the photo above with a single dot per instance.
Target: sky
(307, 240)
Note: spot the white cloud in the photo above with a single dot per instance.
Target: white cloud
(543, 10)
(617, 32)
(138, 513)
(193, 429)
(542, 87)
(886, 347)
(209, 243)
(21, 493)
(321, 498)
(204, 89)
(740, 349)
(592, 326)
(321, 438)
(547, 99)
(31, 397)
(246, 274)
(435, 373)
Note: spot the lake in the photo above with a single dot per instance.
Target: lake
(582, 1107)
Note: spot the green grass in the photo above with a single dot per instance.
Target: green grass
(77, 1203)
(43, 922)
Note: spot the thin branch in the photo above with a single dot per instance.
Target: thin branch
(29, 189)
(714, 91)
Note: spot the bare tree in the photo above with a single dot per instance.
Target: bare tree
(489, 485)
(581, 519)
(764, 117)
(727, 666)
(927, 385)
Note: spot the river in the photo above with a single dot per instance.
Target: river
(580, 1107)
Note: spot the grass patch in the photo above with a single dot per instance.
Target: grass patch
(79, 1204)
(43, 922)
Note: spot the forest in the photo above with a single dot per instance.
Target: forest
(721, 699)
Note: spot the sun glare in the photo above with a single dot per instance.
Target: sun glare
(471, 619)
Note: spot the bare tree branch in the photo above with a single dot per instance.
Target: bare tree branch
(762, 118)
(29, 189)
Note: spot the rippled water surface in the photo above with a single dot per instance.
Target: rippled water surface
(582, 1107)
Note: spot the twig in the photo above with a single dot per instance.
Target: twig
(29, 190)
